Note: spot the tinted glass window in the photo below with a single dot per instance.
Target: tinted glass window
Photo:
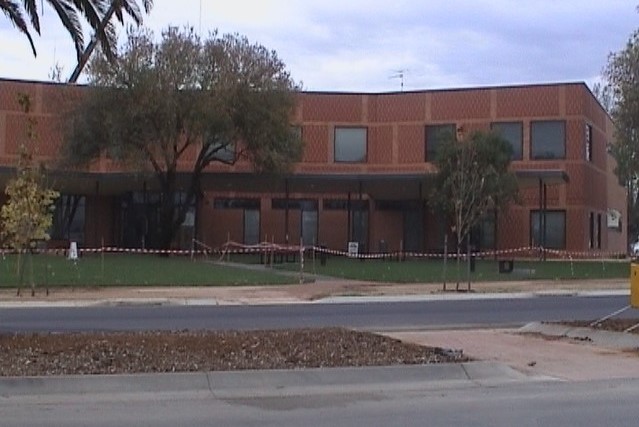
(511, 132)
(555, 237)
(435, 135)
(548, 140)
(350, 145)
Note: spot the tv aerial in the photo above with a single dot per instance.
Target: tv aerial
(399, 74)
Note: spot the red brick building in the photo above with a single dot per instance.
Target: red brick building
(365, 175)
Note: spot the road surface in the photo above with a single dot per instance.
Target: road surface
(377, 316)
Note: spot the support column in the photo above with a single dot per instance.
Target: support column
(540, 216)
(286, 195)
(95, 226)
(349, 225)
(545, 209)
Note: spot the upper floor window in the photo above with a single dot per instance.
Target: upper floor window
(435, 136)
(350, 144)
(548, 140)
(588, 144)
(222, 150)
(513, 133)
(296, 131)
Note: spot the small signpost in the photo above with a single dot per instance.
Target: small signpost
(353, 249)
(73, 251)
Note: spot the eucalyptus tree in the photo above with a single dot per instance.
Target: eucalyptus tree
(472, 178)
(221, 99)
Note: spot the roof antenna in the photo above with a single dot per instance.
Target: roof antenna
(399, 74)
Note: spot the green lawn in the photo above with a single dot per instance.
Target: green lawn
(129, 270)
(432, 271)
(141, 270)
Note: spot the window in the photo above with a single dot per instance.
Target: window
(233, 203)
(513, 133)
(251, 226)
(591, 223)
(547, 140)
(342, 204)
(588, 142)
(222, 151)
(483, 234)
(435, 136)
(598, 231)
(350, 145)
(69, 218)
(301, 204)
(296, 131)
(555, 227)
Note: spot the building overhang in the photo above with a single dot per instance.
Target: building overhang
(527, 178)
(383, 186)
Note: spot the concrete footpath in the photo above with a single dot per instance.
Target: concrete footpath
(270, 383)
(321, 291)
(537, 352)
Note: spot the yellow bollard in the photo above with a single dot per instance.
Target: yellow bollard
(634, 285)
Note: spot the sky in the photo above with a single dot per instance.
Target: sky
(374, 45)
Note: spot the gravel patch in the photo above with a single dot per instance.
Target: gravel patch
(187, 351)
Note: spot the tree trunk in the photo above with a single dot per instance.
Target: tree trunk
(167, 223)
(468, 260)
(84, 58)
(458, 262)
(20, 272)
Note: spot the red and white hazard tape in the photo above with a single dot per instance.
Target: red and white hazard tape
(235, 248)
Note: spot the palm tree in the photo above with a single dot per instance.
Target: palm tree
(13, 12)
(69, 12)
(116, 7)
(97, 13)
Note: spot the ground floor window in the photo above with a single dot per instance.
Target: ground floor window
(359, 218)
(251, 226)
(69, 218)
(251, 215)
(483, 234)
(548, 229)
(141, 225)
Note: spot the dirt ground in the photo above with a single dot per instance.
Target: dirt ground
(614, 325)
(123, 353)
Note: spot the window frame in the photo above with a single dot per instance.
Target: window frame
(521, 137)
(532, 154)
(364, 158)
(534, 223)
(451, 128)
(589, 142)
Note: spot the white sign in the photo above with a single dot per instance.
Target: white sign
(73, 251)
(353, 249)
(614, 218)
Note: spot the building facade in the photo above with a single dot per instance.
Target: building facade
(365, 176)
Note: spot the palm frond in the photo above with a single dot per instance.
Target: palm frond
(12, 11)
(32, 10)
(70, 20)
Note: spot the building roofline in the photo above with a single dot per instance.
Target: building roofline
(451, 89)
(38, 82)
(332, 92)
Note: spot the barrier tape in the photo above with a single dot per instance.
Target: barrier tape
(235, 248)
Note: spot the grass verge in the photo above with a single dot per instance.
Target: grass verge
(131, 270)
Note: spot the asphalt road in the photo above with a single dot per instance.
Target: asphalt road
(374, 316)
(580, 404)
